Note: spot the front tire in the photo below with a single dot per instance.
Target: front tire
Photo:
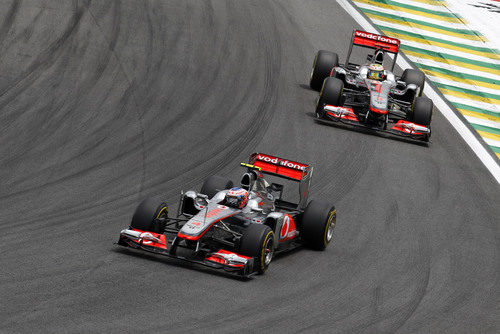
(258, 242)
(331, 93)
(146, 215)
(323, 64)
(422, 111)
(214, 184)
(318, 223)
(416, 77)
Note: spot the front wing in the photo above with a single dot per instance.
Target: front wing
(333, 114)
(159, 244)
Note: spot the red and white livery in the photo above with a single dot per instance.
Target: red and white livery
(236, 229)
(370, 95)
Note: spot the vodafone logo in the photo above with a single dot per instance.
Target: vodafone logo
(282, 162)
(376, 37)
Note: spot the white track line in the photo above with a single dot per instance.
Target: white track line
(406, 27)
(454, 68)
(477, 104)
(484, 122)
(464, 85)
(397, 12)
(436, 7)
(444, 50)
(492, 142)
(489, 162)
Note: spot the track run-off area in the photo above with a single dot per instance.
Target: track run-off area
(103, 103)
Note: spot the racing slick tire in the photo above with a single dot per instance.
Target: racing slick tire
(323, 64)
(422, 111)
(146, 215)
(318, 223)
(416, 77)
(331, 93)
(214, 184)
(258, 242)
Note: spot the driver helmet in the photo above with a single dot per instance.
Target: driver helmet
(237, 198)
(375, 72)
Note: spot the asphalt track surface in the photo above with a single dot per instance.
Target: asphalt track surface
(103, 103)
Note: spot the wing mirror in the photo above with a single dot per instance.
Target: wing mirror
(412, 86)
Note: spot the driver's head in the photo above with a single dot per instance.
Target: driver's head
(375, 72)
(236, 198)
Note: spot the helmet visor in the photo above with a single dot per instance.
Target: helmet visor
(376, 75)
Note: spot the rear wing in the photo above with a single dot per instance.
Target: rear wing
(374, 41)
(291, 170)
(288, 169)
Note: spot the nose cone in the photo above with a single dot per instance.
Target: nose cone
(379, 96)
(199, 224)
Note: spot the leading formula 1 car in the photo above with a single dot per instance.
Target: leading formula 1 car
(369, 95)
(236, 229)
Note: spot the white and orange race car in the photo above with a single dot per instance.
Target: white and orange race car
(236, 229)
(370, 95)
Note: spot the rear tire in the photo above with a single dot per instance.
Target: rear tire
(318, 223)
(214, 184)
(422, 111)
(323, 64)
(258, 242)
(331, 93)
(146, 215)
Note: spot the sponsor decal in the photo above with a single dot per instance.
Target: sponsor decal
(375, 86)
(228, 258)
(281, 162)
(287, 229)
(376, 37)
(412, 127)
(147, 238)
(215, 211)
(341, 112)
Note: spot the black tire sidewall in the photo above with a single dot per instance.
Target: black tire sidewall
(323, 64)
(331, 93)
(315, 221)
(253, 243)
(417, 77)
(214, 184)
(146, 213)
(422, 111)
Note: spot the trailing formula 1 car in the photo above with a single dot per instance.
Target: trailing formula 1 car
(369, 95)
(236, 229)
